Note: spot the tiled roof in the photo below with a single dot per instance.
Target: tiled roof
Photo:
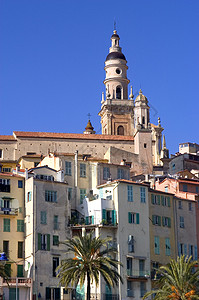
(54, 135)
(123, 181)
(10, 175)
(7, 138)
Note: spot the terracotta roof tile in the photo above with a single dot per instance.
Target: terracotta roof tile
(81, 136)
(7, 138)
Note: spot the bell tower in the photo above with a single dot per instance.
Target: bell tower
(116, 109)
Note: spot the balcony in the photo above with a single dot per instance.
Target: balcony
(137, 274)
(21, 282)
(110, 296)
(8, 211)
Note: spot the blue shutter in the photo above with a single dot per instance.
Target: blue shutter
(114, 217)
(152, 198)
(169, 222)
(162, 200)
(87, 220)
(92, 219)
(137, 219)
(189, 250)
(179, 249)
(130, 217)
(185, 249)
(195, 253)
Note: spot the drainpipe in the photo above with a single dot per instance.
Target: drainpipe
(76, 175)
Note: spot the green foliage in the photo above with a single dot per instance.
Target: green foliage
(179, 280)
(90, 257)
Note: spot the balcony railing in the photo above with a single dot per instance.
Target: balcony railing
(137, 273)
(8, 211)
(20, 281)
(110, 296)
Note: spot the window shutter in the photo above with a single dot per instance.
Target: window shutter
(39, 241)
(195, 253)
(158, 197)
(137, 219)
(179, 249)
(103, 214)
(152, 198)
(162, 221)
(159, 220)
(169, 222)
(153, 219)
(48, 293)
(162, 200)
(48, 242)
(114, 217)
(92, 219)
(189, 250)
(185, 249)
(169, 202)
(87, 220)
(130, 218)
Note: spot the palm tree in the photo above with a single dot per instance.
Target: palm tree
(179, 280)
(91, 258)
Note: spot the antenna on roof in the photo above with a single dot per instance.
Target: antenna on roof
(114, 25)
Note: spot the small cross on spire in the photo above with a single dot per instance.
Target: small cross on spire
(89, 116)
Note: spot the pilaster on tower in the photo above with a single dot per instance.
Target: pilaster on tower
(116, 110)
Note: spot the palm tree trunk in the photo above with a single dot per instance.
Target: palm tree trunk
(88, 286)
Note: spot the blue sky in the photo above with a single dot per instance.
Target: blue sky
(52, 62)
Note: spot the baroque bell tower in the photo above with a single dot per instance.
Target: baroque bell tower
(116, 109)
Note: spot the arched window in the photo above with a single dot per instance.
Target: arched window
(118, 92)
(120, 130)
(143, 120)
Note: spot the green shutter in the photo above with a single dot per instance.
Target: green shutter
(19, 270)
(159, 220)
(162, 200)
(48, 293)
(114, 217)
(103, 214)
(6, 225)
(87, 220)
(153, 219)
(48, 242)
(162, 221)
(169, 202)
(92, 219)
(169, 222)
(130, 218)
(137, 219)
(39, 241)
(158, 196)
(152, 198)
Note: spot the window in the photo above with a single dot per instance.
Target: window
(19, 270)
(6, 225)
(166, 221)
(89, 220)
(142, 194)
(20, 184)
(190, 206)
(167, 246)
(130, 292)
(179, 204)
(141, 267)
(69, 194)
(133, 218)
(130, 193)
(50, 196)
(55, 265)
(166, 189)
(181, 222)
(155, 199)
(120, 173)
(82, 195)
(120, 130)
(8, 270)
(1, 153)
(20, 225)
(68, 168)
(7, 170)
(5, 185)
(82, 170)
(165, 201)
(129, 265)
(29, 195)
(130, 243)
(197, 189)
(20, 249)
(44, 242)
(6, 247)
(173, 167)
(43, 217)
(145, 145)
(106, 173)
(55, 223)
(184, 187)
(142, 288)
(55, 240)
(118, 92)
(157, 244)
(156, 220)
(191, 250)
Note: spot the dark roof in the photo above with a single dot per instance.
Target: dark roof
(115, 55)
(115, 35)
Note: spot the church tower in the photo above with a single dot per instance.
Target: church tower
(116, 110)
